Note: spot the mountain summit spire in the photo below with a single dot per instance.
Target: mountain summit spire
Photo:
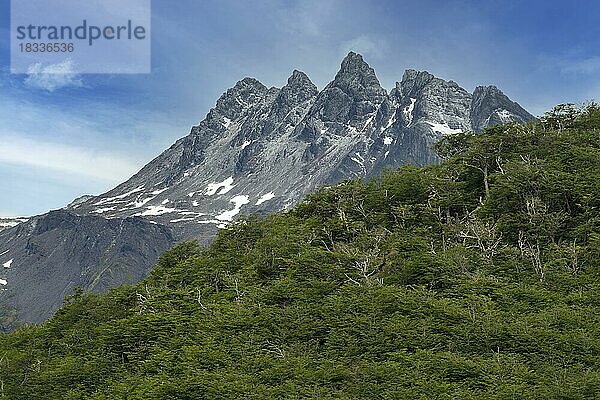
(355, 72)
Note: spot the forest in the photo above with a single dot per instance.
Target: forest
(475, 278)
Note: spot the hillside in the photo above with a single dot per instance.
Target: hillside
(259, 150)
(474, 279)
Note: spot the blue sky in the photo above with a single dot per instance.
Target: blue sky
(84, 134)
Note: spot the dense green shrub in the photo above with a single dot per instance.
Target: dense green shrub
(474, 279)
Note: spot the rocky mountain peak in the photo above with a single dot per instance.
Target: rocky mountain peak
(353, 62)
(299, 79)
(414, 81)
(487, 90)
(351, 99)
(490, 106)
(243, 94)
(356, 77)
(250, 84)
(441, 106)
(413, 74)
(299, 88)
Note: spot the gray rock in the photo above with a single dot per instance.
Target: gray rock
(44, 259)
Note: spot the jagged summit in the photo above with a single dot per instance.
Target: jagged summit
(491, 106)
(411, 75)
(299, 78)
(283, 143)
(357, 78)
(349, 101)
(249, 83)
(354, 65)
(264, 149)
(299, 88)
(243, 94)
(487, 89)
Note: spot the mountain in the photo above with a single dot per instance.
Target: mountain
(426, 283)
(259, 150)
(46, 257)
(10, 222)
(263, 149)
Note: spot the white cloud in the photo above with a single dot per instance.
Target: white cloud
(365, 45)
(62, 158)
(307, 18)
(52, 77)
(589, 65)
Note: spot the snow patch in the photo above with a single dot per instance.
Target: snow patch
(390, 122)
(360, 160)
(226, 122)
(387, 140)
(119, 197)
(504, 115)
(408, 111)
(238, 201)
(265, 197)
(165, 201)
(7, 264)
(444, 129)
(246, 144)
(159, 191)
(174, 221)
(220, 224)
(103, 210)
(157, 210)
(195, 203)
(370, 119)
(140, 203)
(3, 282)
(225, 187)
(184, 212)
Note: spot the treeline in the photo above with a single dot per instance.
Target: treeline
(477, 278)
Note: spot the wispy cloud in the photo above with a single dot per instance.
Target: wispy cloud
(365, 45)
(589, 65)
(307, 18)
(62, 158)
(53, 77)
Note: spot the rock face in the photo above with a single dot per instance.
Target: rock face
(43, 259)
(258, 150)
(491, 107)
